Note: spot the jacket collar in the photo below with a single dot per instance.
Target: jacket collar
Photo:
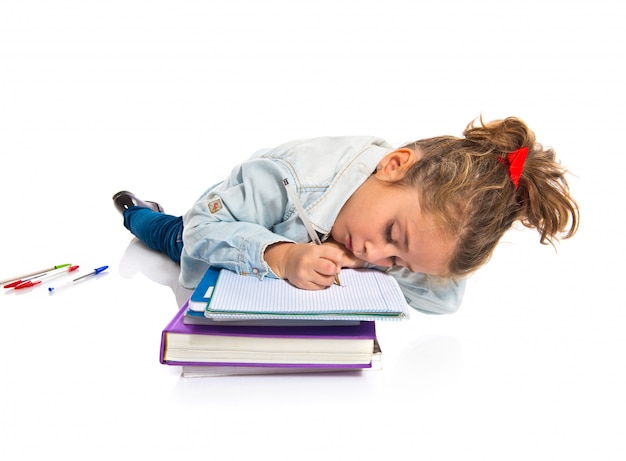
(324, 211)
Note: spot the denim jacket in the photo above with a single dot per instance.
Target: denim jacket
(233, 222)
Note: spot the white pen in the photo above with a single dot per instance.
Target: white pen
(303, 216)
(45, 277)
(23, 278)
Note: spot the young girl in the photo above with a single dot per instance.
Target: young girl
(429, 213)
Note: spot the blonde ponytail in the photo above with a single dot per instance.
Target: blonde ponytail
(465, 185)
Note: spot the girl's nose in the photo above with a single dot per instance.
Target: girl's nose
(377, 254)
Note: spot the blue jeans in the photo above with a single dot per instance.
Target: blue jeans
(159, 231)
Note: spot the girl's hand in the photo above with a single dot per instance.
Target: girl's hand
(306, 265)
(348, 259)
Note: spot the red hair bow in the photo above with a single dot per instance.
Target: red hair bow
(515, 163)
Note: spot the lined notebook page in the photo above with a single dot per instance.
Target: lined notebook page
(361, 292)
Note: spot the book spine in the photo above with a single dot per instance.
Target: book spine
(201, 296)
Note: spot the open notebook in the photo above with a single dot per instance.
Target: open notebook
(363, 295)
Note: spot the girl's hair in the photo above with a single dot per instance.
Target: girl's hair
(467, 190)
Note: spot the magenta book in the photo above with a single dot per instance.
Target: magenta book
(341, 346)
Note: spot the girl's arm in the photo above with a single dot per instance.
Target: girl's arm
(232, 224)
(244, 225)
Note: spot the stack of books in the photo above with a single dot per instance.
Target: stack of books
(242, 325)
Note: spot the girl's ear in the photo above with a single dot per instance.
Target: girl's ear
(395, 164)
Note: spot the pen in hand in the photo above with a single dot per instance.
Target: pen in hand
(305, 219)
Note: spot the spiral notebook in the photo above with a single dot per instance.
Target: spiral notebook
(364, 294)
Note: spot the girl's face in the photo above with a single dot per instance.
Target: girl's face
(384, 225)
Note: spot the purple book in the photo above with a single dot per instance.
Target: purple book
(317, 346)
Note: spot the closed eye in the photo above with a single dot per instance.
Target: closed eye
(388, 233)
(389, 239)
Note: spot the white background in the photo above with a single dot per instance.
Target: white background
(163, 98)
